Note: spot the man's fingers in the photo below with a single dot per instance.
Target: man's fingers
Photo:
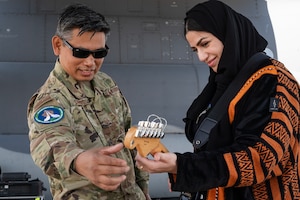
(111, 170)
(109, 183)
(105, 156)
(112, 149)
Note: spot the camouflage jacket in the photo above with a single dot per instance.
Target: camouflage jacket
(65, 118)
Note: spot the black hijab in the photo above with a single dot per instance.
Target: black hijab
(240, 39)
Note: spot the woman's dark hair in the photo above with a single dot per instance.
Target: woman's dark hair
(191, 25)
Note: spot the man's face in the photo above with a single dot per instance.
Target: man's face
(81, 69)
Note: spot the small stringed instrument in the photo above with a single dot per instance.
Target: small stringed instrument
(146, 136)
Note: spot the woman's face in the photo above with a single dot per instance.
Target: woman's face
(208, 47)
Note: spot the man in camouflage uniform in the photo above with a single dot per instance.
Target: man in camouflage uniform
(78, 118)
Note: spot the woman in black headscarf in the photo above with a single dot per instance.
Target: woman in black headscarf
(240, 40)
(253, 151)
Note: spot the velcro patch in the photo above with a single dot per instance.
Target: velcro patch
(49, 115)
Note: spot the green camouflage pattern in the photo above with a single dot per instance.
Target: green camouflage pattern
(95, 117)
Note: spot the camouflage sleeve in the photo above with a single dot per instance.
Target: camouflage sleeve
(52, 142)
(142, 177)
(126, 113)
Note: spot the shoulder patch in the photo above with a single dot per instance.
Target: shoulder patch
(49, 115)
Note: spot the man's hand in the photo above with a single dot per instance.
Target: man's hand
(101, 168)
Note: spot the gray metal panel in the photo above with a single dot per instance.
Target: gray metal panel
(175, 48)
(151, 47)
(113, 41)
(166, 90)
(108, 7)
(22, 38)
(97, 5)
(131, 7)
(172, 9)
(15, 6)
(153, 40)
(130, 51)
(50, 28)
(192, 3)
(132, 23)
(18, 81)
(46, 6)
(130, 42)
(179, 48)
(134, 5)
(249, 8)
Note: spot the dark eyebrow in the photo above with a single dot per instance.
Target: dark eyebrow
(200, 41)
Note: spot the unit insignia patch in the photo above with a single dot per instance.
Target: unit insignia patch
(49, 115)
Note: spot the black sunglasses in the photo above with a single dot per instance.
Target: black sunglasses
(83, 53)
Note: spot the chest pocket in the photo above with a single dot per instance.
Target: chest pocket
(99, 118)
(110, 113)
(87, 128)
